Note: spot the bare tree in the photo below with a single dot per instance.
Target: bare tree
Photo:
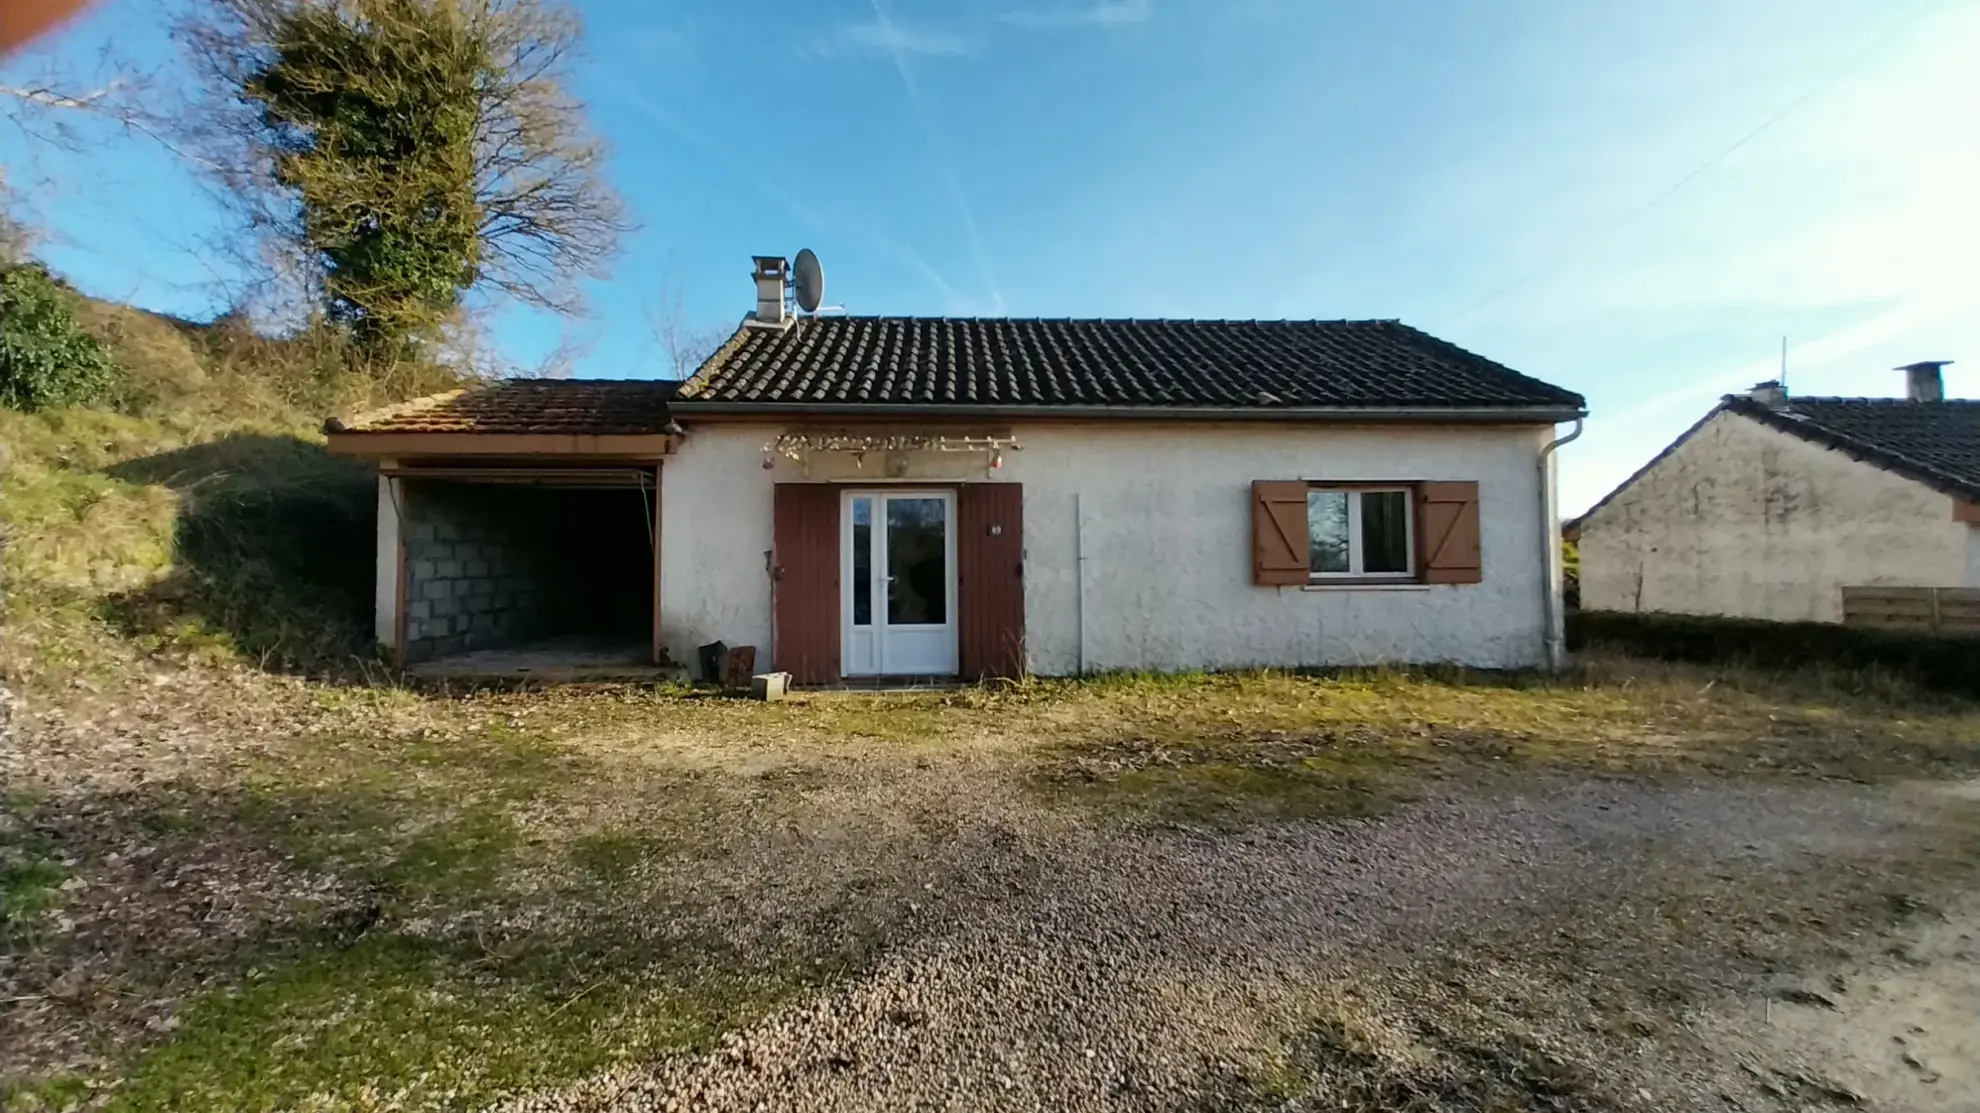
(52, 108)
(544, 217)
(573, 346)
(686, 345)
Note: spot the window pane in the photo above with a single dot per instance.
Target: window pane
(1327, 530)
(862, 543)
(1384, 531)
(917, 562)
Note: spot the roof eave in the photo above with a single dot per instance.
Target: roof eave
(1538, 415)
(455, 443)
(1856, 448)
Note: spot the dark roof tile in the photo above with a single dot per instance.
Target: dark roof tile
(1001, 361)
(1939, 439)
(1934, 443)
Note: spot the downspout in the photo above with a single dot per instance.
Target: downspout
(1555, 634)
(1079, 581)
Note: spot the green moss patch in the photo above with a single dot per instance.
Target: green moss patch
(393, 1022)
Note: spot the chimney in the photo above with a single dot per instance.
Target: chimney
(770, 273)
(1770, 394)
(1922, 381)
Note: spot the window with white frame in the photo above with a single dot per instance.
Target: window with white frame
(1360, 533)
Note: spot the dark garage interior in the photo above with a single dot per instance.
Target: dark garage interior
(527, 572)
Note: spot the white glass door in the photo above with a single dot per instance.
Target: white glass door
(899, 572)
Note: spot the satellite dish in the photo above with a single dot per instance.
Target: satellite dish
(809, 279)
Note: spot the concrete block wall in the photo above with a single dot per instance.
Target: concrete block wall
(475, 575)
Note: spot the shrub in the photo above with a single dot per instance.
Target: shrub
(1940, 664)
(46, 359)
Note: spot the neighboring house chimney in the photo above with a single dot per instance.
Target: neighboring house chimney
(1922, 381)
(1770, 394)
(770, 272)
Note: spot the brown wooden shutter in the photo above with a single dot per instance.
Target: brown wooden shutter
(1278, 532)
(990, 579)
(1447, 532)
(805, 562)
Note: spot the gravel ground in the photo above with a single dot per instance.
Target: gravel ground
(1105, 969)
(1593, 944)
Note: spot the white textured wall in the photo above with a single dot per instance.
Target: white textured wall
(1749, 521)
(1166, 513)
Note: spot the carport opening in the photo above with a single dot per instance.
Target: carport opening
(528, 575)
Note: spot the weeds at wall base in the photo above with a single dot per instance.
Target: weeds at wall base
(1848, 658)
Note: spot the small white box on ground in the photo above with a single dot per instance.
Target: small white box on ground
(769, 685)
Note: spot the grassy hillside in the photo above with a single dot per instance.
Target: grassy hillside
(194, 511)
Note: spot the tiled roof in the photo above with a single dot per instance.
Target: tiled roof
(968, 363)
(1935, 443)
(582, 406)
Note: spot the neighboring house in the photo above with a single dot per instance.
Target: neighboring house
(1771, 505)
(876, 496)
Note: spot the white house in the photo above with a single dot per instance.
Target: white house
(890, 496)
(1771, 505)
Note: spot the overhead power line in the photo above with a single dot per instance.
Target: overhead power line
(1599, 234)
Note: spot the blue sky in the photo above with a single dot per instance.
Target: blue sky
(1637, 201)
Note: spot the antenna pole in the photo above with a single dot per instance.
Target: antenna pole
(1783, 365)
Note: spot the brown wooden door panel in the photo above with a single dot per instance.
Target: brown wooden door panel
(990, 584)
(805, 562)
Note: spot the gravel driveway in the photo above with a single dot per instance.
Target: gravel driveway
(1506, 952)
(1655, 892)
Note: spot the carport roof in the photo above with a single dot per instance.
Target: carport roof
(583, 407)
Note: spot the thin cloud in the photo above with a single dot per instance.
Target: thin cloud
(894, 38)
(742, 163)
(1838, 193)
(1827, 357)
(1831, 364)
(1106, 13)
(657, 41)
(938, 153)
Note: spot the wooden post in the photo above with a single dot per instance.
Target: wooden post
(659, 647)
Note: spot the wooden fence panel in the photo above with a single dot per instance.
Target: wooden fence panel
(1921, 610)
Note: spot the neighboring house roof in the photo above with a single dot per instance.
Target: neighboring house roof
(1934, 443)
(992, 364)
(568, 406)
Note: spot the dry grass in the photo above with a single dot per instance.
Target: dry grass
(1258, 746)
(397, 871)
(1233, 749)
(128, 528)
(1438, 1052)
